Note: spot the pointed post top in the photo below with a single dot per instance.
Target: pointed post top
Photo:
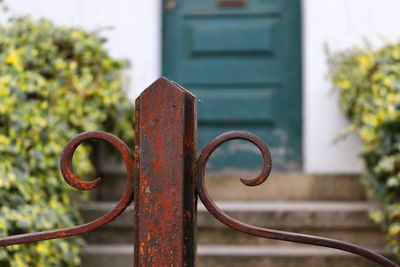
(164, 87)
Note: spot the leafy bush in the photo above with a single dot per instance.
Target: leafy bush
(55, 82)
(370, 96)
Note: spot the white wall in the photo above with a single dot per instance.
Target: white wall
(134, 33)
(338, 24)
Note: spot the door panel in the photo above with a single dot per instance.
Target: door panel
(243, 63)
(212, 100)
(218, 37)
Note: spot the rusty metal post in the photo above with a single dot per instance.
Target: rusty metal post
(164, 191)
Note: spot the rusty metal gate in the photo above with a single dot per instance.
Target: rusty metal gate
(164, 179)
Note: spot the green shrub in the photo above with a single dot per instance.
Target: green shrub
(370, 96)
(55, 82)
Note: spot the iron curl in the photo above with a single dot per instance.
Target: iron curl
(259, 231)
(76, 182)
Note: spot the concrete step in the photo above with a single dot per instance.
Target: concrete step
(226, 186)
(346, 221)
(232, 256)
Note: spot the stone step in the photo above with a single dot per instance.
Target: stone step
(347, 221)
(236, 256)
(226, 186)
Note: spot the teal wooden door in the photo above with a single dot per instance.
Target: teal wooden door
(242, 60)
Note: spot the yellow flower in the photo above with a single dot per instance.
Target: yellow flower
(4, 140)
(362, 60)
(344, 84)
(13, 58)
(394, 229)
(77, 35)
(60, 64)
(42, 248)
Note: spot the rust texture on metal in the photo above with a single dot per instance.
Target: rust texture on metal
(165, 179)
(165, 200)
(263, 232)
(76, 182)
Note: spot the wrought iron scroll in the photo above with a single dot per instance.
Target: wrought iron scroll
(76, 182)
(259, 231)
(163, 177)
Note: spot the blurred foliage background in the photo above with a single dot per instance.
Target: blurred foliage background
(370, 96)
(55, 82)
